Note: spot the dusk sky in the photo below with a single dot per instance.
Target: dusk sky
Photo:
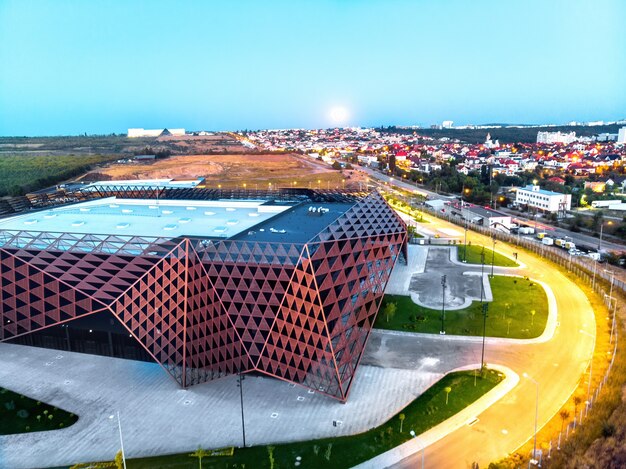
(70, 67)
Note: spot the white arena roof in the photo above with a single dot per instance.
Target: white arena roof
(149, 217)
(144, 184)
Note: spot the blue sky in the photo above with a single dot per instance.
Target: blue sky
(69, 67)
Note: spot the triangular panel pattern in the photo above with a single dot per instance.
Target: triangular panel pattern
(153, 309)
(351, 276)
(213, 346)
(298, 347)
(31, 299)
(250, 280)
(103, 276)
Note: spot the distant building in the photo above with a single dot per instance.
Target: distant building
(556, 137)
(144, 157)
(606, 137)
(621, 135)
(489, 143)
(484, 216)
(545, 201)
(447, 124)
(138, 132)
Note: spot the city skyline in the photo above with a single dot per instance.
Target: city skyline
(99, 68)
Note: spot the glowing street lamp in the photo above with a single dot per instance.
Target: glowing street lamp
(601, 230)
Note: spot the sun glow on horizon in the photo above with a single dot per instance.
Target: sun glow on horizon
(338, 115)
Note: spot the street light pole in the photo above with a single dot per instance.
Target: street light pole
(243, 422)
(119, 427)
(493, 251)
(482, 274)
(412, 433)
(601, 230)
(610, 303)
(482, 357)
(582, 331)
(526, 375)
(443, 303)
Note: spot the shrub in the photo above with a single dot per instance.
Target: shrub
(608, 429)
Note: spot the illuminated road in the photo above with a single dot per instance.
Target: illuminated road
(557, 365)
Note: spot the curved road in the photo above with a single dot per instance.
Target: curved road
(557, 365)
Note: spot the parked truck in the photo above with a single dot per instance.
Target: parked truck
(541, 235)
(547, 241)
(526, 230)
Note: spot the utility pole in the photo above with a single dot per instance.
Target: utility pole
(443, 303)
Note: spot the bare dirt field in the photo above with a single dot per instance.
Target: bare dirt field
(238, 170)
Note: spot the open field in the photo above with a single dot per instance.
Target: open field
(423, 413)
(121, 145)
(509, 315)
(21, 173)
(235, 170)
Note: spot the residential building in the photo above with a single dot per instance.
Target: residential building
(543, 200)
(556, 137)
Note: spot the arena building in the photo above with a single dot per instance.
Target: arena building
(205, 282)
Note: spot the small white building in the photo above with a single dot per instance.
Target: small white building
(484, 216)
(545, 201)
(139, 132)
(447, 124)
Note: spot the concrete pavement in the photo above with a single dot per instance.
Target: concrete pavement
(158, 417)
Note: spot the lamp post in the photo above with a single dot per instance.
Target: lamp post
(482, 356)
(119, 426)
(243, 421)
(482, 274)
(443, 303)
(533, 460)
(601, 230)
(493, 251)
(582, 331)
(610, 303)
(412, 433)
(464, 213)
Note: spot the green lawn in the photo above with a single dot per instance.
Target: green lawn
(21, 414)
(423, 413)
(509, 314)
(473, 256)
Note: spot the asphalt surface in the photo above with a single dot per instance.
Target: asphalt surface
(556, 365)
(578, 238)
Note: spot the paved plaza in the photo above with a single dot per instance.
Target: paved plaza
(159, 417)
